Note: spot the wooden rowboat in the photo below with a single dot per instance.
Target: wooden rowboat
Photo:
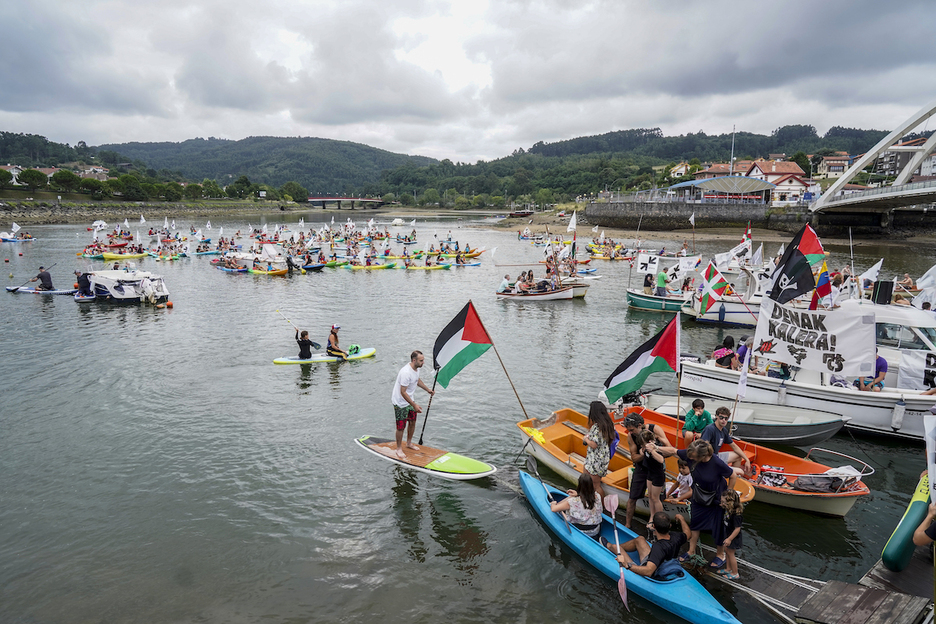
(559, 445)
(639, 300)
(787, 469)
(553, 295)
(766, 424)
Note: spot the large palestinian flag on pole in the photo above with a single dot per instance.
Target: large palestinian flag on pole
(658, 355)
(793, 275)
(462, 341)
(714, 287)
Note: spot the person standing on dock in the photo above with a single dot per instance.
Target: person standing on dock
(405, 407)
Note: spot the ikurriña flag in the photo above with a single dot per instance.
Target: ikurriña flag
(462, 341)
(793, 276)
(714, 287)
(658, 355)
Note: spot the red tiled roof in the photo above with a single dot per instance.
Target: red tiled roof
(776, 168)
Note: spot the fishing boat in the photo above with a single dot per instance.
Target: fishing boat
(34, 291)
(373, 267)
(520, 213)
(764, 423)
(842, 487)
(324, 357)
(552, 295)
(128, 286)
(681, 595)
(639, 300)
(559, 444)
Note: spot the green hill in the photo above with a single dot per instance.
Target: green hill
(320, 165)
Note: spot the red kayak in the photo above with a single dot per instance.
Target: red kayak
(124, 244)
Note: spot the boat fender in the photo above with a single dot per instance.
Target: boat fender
(781, 394)
(755, 471)
(897, 415)
(721, 313)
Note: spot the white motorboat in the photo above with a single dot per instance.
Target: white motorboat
(763, 423)
(128, 286)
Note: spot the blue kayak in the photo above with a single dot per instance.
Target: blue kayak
(230, 270)
(313, 267)
(683, 595)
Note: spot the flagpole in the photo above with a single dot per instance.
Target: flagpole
(426, 417)
(514, 388)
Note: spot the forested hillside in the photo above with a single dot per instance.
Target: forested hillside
(320, 165)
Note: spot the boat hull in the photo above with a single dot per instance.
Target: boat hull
(554, 295)
(735, 313)
(869, 412)
(639, 300)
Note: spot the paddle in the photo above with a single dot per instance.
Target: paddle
(531, 466)
(426, 417)
(611, 505)
(315, 345)
(29, 280)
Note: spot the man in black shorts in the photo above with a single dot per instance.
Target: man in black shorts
(44, 279)
(667, 546)
(645, 472)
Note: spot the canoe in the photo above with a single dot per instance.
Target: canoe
(314, 267)
(123, 244)
(554, 295)
(273, 272)
(473, 254)
(639, 300)
(324, 357)
(429, 460)
(33, 291)
(92, 256)
(84, 298)
(586, 271)
(899, 549)
(435, 267)
(681, 595)
(208, 253)
(373, 267)
(336, 263)
(230, 270)
(17, 240)
(559, 444)
(467, 264)
(787, 468)
(415, 256)
(119, 256)
(764, 423)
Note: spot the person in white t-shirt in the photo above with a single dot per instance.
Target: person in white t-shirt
(405, 407)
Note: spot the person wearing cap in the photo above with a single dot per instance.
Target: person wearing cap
(649, 477)
(333, 349)
(45, 280)
(84, 284)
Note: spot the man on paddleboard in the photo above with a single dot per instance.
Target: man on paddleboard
(405, 407)
(45, 280)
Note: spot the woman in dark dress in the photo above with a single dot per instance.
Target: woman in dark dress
(710, 478)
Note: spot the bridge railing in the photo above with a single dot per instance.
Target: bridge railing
(884, 190)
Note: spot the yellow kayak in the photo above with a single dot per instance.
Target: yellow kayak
(116, 256)
(373, 267)
(435, 267)
(273, 272)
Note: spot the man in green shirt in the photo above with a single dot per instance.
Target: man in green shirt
(661, 284)
(697, 419)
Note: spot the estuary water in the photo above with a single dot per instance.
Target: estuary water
(157, 467)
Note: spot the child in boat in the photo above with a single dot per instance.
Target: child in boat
(584, 506)
(697, 419)
(731, 503)
(682, 488)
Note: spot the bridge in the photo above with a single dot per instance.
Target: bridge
(375, 203)
(886, 198)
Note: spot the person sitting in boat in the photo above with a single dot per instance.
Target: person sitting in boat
(876, 383)
(116, 266)
(725, 356)
(367, 261)
(681, 489)
(84, 284)
(697, 419)
(428, 260)
(666, 547)
(305, 345)
(906, 282)
(717, 434)
(584, 506)
(333, 349)
(686, 285)
(459, 259)
(504, 285)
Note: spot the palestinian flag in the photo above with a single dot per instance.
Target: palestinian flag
(462, 341)
(793, 276)
(715, 286)
(823, 288)
(660, 354)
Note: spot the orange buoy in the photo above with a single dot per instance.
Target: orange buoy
(76, 284)
(168, 304)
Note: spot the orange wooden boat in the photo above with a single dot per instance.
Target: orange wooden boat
(772, 466)
(558, 443)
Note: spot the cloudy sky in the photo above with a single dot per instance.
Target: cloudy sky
(457, 79)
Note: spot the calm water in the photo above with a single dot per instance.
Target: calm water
(157, 467)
